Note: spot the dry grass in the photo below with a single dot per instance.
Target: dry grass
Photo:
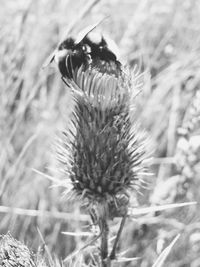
(163, 38)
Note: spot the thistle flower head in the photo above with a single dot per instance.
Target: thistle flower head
(14, 254)
(102, 152)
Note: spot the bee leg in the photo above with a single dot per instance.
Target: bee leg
(63, 79)
(70, 66)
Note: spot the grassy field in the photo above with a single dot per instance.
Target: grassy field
(163, 39)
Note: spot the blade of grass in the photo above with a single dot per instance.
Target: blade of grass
(140, 211)
(44, 213)
(160, 260)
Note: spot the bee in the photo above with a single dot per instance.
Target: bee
(89, 48)
(103, 52)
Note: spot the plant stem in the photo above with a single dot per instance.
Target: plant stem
(104, 242)
(112, 254)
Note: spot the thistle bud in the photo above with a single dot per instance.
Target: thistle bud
(102, 150)
(13, 253)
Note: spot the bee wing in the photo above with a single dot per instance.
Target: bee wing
(87, 30)
(51, 70)
(79, 38)
(112, 46)
(49, 60)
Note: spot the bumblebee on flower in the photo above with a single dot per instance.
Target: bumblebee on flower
(102, 151)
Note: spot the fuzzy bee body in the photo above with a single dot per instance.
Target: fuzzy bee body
(103, 53)
(70, 56)
(99, 48)
(88, 49)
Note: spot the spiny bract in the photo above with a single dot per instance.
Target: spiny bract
(14, 254)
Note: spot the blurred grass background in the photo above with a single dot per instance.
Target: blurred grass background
(163, 38)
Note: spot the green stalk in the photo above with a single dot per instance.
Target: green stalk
(104, 242)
